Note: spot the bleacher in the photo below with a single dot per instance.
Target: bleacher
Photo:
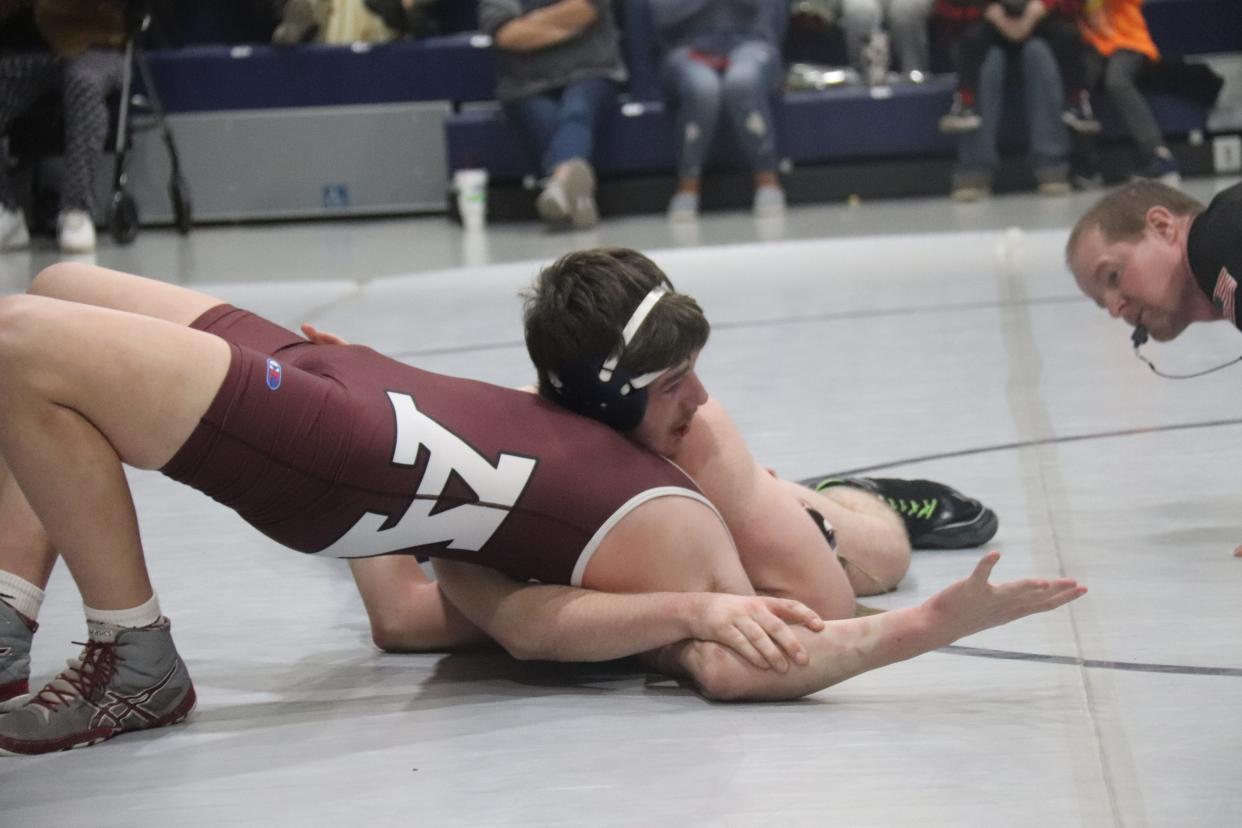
(370, 129)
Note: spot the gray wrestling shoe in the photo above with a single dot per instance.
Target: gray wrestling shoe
(16, 631)
(125, 679)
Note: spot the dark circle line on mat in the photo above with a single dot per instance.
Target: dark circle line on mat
(1091, 663)
(774, 322)
(1043, 441)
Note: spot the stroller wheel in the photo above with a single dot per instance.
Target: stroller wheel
(183, 210)
(123, 218)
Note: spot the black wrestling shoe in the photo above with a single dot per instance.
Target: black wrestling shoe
(936, 516)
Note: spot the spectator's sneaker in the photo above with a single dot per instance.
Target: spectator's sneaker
(75, 231)
(683, 207)
(1053, 181)
(936, 516)
(16, 631)
(961, 117)
(570, 199)
(769, 202)
(1079, 116)
(125, 679)
(298, 24)
(971, 185)
(553, 204)
(14, 234)
(1163, 168)
(580, 191)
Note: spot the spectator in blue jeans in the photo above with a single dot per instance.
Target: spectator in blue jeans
(559, 73)
(1042, 97)
(720, 55)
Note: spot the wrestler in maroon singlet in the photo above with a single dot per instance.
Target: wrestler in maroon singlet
(341, 450)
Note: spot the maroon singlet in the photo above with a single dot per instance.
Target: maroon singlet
(341, 450)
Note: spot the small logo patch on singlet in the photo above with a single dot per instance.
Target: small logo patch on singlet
(273, 374)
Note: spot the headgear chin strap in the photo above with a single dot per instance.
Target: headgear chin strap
(604, 390)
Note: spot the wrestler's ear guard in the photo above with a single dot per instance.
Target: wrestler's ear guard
(603, 390)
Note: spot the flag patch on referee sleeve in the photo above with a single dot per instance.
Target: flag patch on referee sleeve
(1222, 295)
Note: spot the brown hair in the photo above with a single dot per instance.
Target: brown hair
(1122, 214)
(577, 307)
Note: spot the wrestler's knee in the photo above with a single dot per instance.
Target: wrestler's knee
(23, 328)
(51, 280)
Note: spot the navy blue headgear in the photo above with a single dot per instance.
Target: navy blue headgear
(603, 390)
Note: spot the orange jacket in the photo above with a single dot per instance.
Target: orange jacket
(1123, 27)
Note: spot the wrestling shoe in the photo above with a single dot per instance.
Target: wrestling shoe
(125, 679)
(936, 516)
(16, 631)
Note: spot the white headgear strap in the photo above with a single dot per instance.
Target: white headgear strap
(627, 335)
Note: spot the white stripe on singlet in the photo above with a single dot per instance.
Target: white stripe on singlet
(630, 505)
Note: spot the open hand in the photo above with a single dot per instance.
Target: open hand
(974, 604)
(756, 627)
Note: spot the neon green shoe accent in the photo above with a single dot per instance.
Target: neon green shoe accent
(913, 508)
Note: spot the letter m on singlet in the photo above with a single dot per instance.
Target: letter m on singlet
(466, 526)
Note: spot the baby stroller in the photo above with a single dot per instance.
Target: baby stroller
(123, 211)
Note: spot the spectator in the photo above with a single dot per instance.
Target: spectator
(72, 49)
(869, 27)
(1121, 48)
(560, 70)
(413, 18)
(1048, 138)
(986, 23)
(716, 54)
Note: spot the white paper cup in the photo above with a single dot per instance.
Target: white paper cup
(471, 188)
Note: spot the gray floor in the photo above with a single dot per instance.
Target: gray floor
(844, 337)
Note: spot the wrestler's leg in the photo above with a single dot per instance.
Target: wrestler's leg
(92, 285)
(24, 545)
(83, 389)
(871, 538)
(783, 551)
(848, 647)
(24, 548)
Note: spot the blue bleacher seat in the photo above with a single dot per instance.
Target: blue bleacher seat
(217, 77)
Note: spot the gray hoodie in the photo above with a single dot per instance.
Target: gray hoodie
(592, 54)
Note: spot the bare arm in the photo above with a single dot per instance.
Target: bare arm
(781, 549)
(849, 647)
(1034, 12)
(562, 623)
(546, 26)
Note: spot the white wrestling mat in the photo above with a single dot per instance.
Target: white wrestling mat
(965, 355)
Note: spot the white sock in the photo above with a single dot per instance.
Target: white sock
(103, 623)
(23, 596)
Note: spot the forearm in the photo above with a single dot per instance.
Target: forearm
(407, 611)
(843, 649)
(554, 623)
(547, 26)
